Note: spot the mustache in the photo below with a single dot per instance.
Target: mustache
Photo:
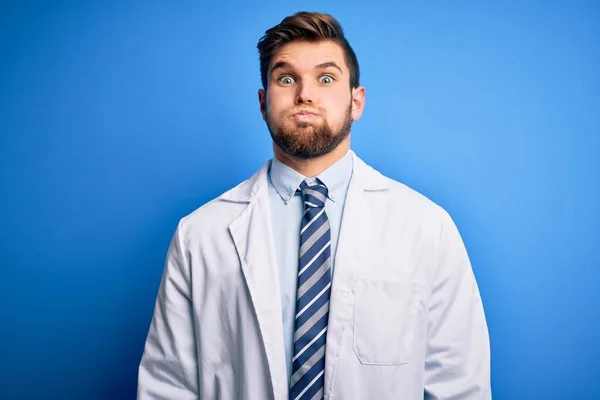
(304, 110)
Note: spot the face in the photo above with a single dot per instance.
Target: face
(309, 106)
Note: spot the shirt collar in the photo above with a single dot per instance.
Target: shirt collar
(286, 180)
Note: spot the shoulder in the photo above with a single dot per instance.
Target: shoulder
(405, 196)
(400, 202)
(217, 214)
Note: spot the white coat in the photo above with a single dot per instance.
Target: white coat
(406, 319)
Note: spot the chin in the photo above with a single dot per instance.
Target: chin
(303, 126)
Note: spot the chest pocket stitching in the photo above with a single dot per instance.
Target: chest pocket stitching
(385, 319)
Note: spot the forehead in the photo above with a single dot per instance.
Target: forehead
(304, 55)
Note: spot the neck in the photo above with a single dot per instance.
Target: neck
(312, 167)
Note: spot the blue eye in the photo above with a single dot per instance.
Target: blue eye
(286, 80)
(326, 79)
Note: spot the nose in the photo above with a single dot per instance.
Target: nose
(305, 93)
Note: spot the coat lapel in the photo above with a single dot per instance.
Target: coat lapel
(360, 218)
(252, 235)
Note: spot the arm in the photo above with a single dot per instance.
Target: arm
(457, 359)
(169, 366)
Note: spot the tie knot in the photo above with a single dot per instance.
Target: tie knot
(314, 196)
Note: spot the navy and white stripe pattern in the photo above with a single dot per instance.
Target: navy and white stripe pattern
(312, 301)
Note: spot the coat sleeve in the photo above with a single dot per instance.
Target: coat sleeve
(169, 365)
(457, 359)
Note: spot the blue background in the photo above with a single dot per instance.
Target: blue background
(117, 119)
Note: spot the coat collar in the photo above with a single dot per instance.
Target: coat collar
(364, 177)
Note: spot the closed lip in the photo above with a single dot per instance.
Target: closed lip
(304, 112)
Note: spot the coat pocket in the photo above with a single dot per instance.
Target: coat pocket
(385, 317)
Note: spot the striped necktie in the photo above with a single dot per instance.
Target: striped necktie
(312, 301)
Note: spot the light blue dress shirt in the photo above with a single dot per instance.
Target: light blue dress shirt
(286, 216)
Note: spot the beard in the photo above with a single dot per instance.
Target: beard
(307, 139)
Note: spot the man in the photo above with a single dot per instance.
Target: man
(318, 277)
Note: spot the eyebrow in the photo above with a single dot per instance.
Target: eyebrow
(286, 65)
(329, 64)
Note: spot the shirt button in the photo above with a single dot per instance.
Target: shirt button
(288, 198)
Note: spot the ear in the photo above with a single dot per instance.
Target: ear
(262, 100)
(358, 102)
